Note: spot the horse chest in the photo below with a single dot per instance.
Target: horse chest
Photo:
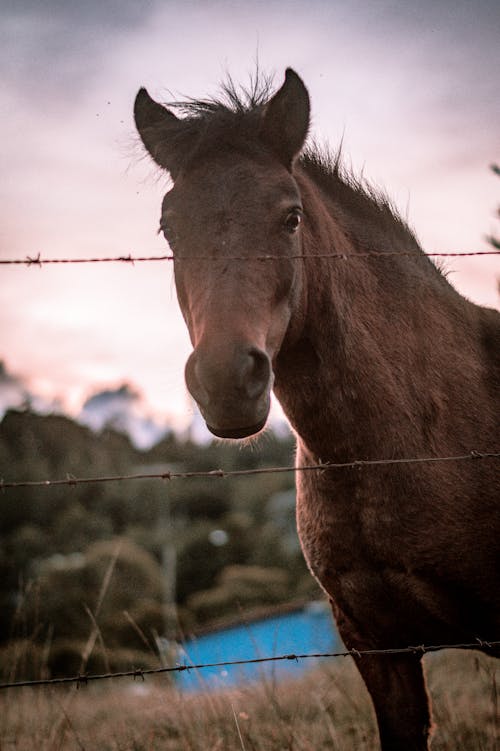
(345, 530)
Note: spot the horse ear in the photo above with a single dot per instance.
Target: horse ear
(160, 130)
(286, 119)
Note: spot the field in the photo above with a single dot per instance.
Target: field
(326, 709)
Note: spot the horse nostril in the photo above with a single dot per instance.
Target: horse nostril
(193, 381)
(256, 373)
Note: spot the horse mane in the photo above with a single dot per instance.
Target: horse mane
(367, 209)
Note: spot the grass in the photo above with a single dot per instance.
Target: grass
(328, 708)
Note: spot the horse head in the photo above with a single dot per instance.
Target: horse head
(233, 221)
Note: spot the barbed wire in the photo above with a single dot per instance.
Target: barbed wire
(83, 679)
(39, 261)
(224, 474)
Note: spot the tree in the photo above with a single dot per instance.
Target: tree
(113, 585)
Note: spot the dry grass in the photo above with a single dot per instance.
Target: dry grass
(327, 709)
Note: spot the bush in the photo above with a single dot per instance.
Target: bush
(114, 588)
(23, 660)
(239, 586)
(66, 658)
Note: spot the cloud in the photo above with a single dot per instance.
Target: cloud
(57, 48)
(122, 409)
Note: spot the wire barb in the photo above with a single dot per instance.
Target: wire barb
(484, 644)
(71, 479)
(33, 261)
(81, 680)
(420, 649)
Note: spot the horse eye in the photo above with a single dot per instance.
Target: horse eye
(168, 234)
(293, 220)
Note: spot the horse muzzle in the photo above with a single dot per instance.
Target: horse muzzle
(232, 388)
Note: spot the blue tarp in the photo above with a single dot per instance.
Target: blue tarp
(310, 629)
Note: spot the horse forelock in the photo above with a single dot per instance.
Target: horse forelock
(232, 100)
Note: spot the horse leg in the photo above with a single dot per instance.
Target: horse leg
(396, 685)
(397, 688)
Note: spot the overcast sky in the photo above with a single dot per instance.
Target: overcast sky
(412, 88)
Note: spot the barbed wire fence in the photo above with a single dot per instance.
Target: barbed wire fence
(37, 260)
(223, 474)
(84, 679)
(140, 673)
(357, 464)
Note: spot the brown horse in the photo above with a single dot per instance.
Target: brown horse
(370, 356)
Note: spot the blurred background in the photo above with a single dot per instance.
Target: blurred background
(93, 356)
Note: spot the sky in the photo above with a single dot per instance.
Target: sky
(410, 88)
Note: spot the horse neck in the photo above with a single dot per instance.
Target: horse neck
(361, 374)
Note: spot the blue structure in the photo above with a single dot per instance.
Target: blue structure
(305, 630)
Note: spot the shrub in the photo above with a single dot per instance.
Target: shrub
(244, 586)
(113, 591)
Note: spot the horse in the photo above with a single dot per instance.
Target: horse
(293, 275)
